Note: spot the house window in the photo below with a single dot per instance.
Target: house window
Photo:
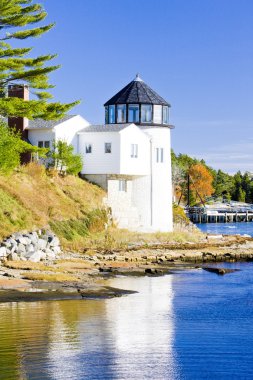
(111, 114)
(108, 148)
(44, 144)
(88, 148)
(146, 113)
(165, 115)
(133, 113)
(159, 154)
(122, 185)
(121, 113)
(134, 150)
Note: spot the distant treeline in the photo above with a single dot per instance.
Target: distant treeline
(204, 181)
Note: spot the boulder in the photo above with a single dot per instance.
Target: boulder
(56, 250)
(41, 244)
(24, 240)
(33, 236)
(36, 256)
(21, 248)
(3, 252)
(30, 248)
(54, 242)
(33, 246)
(13, 256)
(220, 271)
(9, 243)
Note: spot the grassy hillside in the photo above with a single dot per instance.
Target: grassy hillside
(31, 199)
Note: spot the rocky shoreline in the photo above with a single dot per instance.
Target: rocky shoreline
(84, 275)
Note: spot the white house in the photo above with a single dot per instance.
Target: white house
(129, 156)
(43, 133)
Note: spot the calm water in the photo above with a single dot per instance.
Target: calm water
(189, 325)
(227, 228)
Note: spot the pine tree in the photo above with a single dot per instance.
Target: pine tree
(17, 66)
(11, 148)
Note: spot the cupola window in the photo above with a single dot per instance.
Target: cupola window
(165, 115)
(121, 113)
(106, 115)
(157, 114)
(133, 113)
(111, 114)
(146, 113)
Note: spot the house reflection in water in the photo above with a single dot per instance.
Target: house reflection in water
(143, 329)
(123, 338)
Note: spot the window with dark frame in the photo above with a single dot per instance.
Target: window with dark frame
(106, 115)
(111, 114)
(44, 144)
(165, 115)
(133, 113)
(146, 113)
(121, 113)
(108, 147)
(88, 148)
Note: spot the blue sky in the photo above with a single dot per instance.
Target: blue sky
(197, 54)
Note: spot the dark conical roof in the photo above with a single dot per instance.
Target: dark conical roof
(137, 92)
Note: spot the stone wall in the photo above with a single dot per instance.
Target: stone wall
(32, 246)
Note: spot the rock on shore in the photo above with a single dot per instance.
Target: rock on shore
(32, 246)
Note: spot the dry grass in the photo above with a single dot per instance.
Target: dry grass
(63, 270)
(30, 199)
(122, 239)
(55, 277)
(73, 264)
(25, 265)
(70, 265)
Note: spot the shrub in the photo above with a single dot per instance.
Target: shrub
(179, 215)
(63, 158)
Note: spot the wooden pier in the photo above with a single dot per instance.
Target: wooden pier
(215, 215)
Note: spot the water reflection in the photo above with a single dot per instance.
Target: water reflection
(143, 329)
(123, 338)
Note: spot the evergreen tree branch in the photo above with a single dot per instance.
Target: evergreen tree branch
(22, 35)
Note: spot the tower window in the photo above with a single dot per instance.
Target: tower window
(134, 150)
(106, 115)
(108, 148)
(88, 148)
(111, 114)
(133, 113)
(157, 114)
(146, 113)
(121, 113)
(165, 115)
(159, 154)
(122, 185)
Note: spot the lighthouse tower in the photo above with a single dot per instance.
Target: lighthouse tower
(130, 156)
